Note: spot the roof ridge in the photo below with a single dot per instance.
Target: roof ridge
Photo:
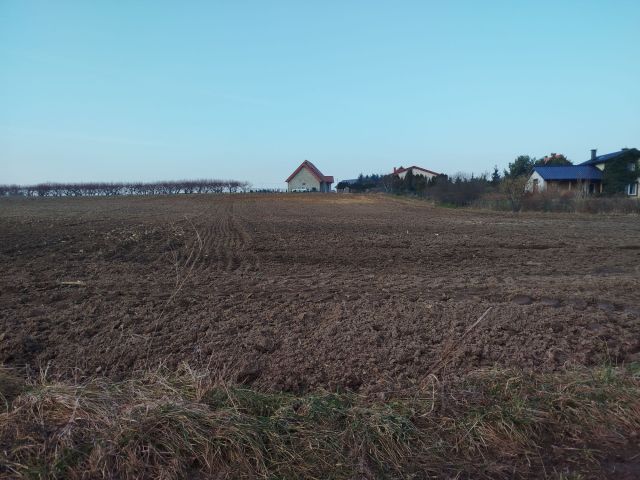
(404, 169)
(315, 171)
(568, 172)
(605, 157)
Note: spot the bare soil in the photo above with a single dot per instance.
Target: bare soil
(298, 292)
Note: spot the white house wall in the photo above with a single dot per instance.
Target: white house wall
(304, 179)
(541, 183)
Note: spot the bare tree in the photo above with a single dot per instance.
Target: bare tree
(514, 190)
(114, 188)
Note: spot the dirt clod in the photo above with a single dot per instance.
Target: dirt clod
(522, 300)
(606, 307)
(265, 344)
(249, 373)
(550, 302)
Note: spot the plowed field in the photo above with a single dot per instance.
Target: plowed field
(296, 292)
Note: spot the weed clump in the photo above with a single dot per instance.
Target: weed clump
(491, 424)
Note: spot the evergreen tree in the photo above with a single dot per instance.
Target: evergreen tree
(618, 173)
(523, 165)
(495, 176)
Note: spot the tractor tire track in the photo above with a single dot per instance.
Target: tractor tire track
(227, 245)
(248, 260)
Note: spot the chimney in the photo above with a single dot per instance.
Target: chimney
(395, 169)
(593, 153)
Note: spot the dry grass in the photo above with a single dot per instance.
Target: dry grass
(494, 424)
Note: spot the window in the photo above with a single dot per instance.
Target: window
(632, 189)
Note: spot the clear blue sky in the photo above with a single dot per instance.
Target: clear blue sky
(150, 90)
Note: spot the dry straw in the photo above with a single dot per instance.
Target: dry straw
(492, 424)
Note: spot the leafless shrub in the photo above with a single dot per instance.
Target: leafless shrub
(606, 205)
(459, 191)
(90, 189)
(548, 201)
(577, 202)
(513, 189)
(560, 201)
(11, 190)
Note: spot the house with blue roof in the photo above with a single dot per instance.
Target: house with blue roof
(585, 178)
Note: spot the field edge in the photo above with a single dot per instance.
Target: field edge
(500, 423)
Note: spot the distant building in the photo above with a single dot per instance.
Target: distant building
(307, 178)
(585, 177)
(423, 172)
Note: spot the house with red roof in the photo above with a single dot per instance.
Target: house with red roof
(415, 171)
(307, 178)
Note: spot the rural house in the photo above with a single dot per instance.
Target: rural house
(415, 171)
(586, 177)
(630, 155)
(307, 178)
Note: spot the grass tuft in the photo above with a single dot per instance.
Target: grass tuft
(492, 424)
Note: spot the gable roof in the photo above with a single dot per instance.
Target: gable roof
(314, 171)
(611, 156)
(400, 170)
(569, 172)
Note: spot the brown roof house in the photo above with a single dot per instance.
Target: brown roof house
(415, 170)
(307, 178)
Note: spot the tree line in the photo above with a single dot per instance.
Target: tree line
(459, 190)
(96, 189)
(506, 188)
